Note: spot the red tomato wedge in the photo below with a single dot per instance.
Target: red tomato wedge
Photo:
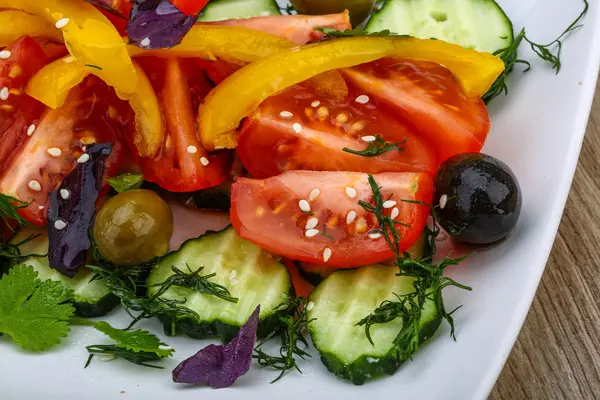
(92, 113)
(427, 95)
(297, 28)
(315, 216)
(298, 130)
(189, 7)
(182, 165)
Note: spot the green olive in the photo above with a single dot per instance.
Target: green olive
(133, 227)
(359, 9)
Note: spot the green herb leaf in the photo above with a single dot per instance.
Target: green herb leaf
(377, 148)
(9, 207)
(290, 329)
(93, 66)
(125, 182)
(358, 32)
(140, 358)
(33, 312)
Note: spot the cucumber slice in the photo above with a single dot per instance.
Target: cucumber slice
(251, 274)
(91, 298)
(341, 301)
(475, 24)
(220, 10)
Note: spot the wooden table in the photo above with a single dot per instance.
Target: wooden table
(557, 355)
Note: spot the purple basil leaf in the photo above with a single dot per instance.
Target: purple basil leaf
(72, 208)
(157, 24)
(221, 365)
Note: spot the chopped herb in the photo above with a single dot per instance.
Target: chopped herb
(288, 9)
(358, 32)
(377, 148)
(140, 358)
(327, 235)
(93, 66)
(125, 182)
(9, 207)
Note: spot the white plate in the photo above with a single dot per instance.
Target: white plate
(537, 130)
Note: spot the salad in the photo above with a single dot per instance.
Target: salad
(340, 140)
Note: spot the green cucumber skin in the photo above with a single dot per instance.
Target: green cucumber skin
(230, 9)
(383, 19)
(99, 309)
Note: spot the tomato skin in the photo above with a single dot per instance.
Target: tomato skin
(268, 144)
(427, 95)
(181, 87)
(267, 213)
(189, 7)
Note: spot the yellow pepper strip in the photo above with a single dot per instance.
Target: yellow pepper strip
(241, 93)
(225, 42)
(149, 133)
(52, 84)
(14, 24)
(89, 36)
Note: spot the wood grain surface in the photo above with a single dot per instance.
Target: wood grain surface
(557, 355)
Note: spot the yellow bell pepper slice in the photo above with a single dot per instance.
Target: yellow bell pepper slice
(14, 24)
(241, 93)
(225, 42)
(149, 133)
(52, 84)
(89, 37)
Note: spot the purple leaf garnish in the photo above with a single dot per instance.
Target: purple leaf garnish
(157, 24)
(72, 208)
(221, 365)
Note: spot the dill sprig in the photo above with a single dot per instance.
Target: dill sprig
(12, 251)
(291, 329)
(9, 207)
(377, 148)
(429, 282)
(110, 350)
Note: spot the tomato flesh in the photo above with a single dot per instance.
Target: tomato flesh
(427, 95)
(267, 212)
(298, 130)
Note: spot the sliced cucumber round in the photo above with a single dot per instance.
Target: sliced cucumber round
(475, 24)
(220, 10)
(345, 298)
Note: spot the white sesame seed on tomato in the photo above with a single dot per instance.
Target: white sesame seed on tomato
(31, 129)
(204, 161)
(145, 42)
(192, 149)
(312, 223)
(395, 212)
(65, 194)
(55, 151)
(286, 114)
(350, 217)
(389, 203)
(314, 194)
(362, 99)
(297, 127)
(326, 254)
(59, 224)
(35, 186)
(5, 54)
(350, 192)
(443, 201)
(4, 93)
(312, 233)
(368, 138)
(304, 206)
(375, 235)
(83, 158)
(315, 104)
(61, 23)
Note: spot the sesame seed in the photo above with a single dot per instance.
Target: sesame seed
(145, 42)
(443, 201)
(395, 213)
(83, 158)
(326, 255)
(314, 194)
(41, 207)
(350, 217)
(4, 93)
(55, 152)
(286, 114)
(312, 223)
(204, 161)
(369, 139)
(31, 129)
(68, 59)
(233, 274)
(312, 233)
(192, 149)
(304, 206)
(297, 127)
(310, 305)
(389, 204)
(362, 99)
(59, 224)
(5, 54)
(65, 194)
(61, 23)
(315, 104)
(375, 235)
(83, 148)
(350, 192)
(35, 186)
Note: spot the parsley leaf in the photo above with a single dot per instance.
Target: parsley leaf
(138, 340)
(125, 182)
(358, 32)
(33, 312)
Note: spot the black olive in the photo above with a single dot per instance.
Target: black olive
(477, 198)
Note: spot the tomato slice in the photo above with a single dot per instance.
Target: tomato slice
(189, 7)
(331, 228)
(91, 114)
(298, 130)
(182, 165)
(428, 95)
